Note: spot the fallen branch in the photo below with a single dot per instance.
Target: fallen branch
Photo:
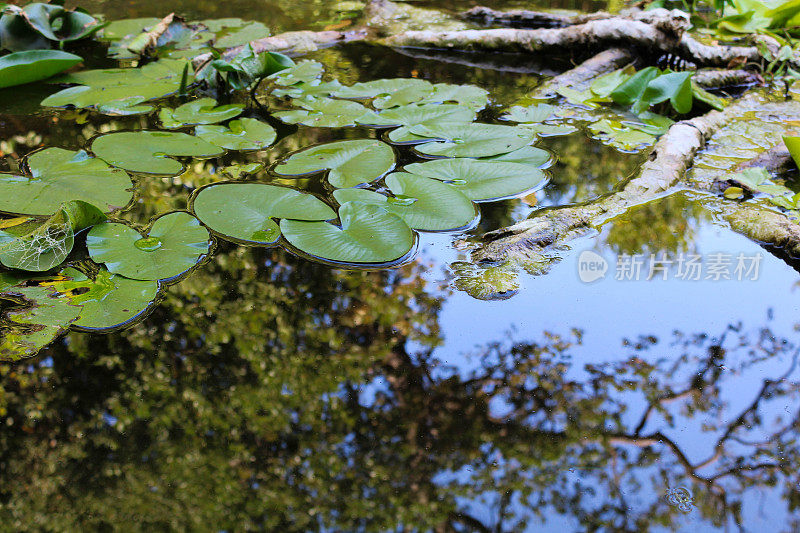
(664, 169)
(523, 18)
(719, 79)
(581, 77)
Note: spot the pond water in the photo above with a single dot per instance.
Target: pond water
(270, 392)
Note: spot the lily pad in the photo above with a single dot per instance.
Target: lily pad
(423, 203)
(243, 135)
(483, 181)
(39, 245)
(529, 114)
(42, 316)
(59, 175)
(148, 151)
(527, 155)
(28, 66)
(119, 29)
(108, 300)
(241, 35)
(201, 111)
(302, 72)
(327, 113)
(431, 115)
(384, 88)
(175, 243)
(469, 96)
(312, 89)
(473, 140)
(368, 235)
(120, 90)
(350, 163)
(245, 211)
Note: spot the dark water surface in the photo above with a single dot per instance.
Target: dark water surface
(267, 392)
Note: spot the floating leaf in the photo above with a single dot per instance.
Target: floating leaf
(757, 179)
(201, 111)
(148, 151)
(369, 234)
(245, 211)
(243, 135)
(473, 140)
(469, 96)
(245, 169)
(175, 243)
(120, 91)
(387, 87)
(327, 113)
(119, 29)
(732, 193)
(302, 72)
(423, 203)
(39, 245)
(20, 68)
(313, 89)
(431, 116)
(59, 175)
(531, 113)
(241, 35)
(483, 181)
(350, 163)
(40, 318)
(107, 300)
(620, 136)
(527, 155)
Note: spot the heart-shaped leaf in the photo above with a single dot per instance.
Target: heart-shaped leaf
(531, 114)
(473, 140)
(245, 211)
(40, 317)
(148, 151)
(327, 113)
(423, 203)
(59, 175)
(388, 87)
(34, 65)
(108, 300)
(527, 155)
(200, 111)
(483, 181)
(175, 243)
(312, 89)
(369, 234)
(302, 72)
(469, 96)
(431, 115)
(38, 245)
(239, 36)
(245, 134)
(350, 163)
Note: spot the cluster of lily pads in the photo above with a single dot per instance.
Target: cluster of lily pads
(369, 218)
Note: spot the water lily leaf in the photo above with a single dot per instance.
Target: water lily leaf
(200, 111)
(350, 163)
(59, 24)
(369, 234)
(302, 72)
(148, 151)
(620, 136)
(527, 155)
(757, 179)
(531, 113)
(28, 66)
(17, 34)
(175, 243)
(245, 134)
(42, 317)
(238, 171)
(384, 88)
(469, 96)
(430, 115)
(119, 29)
(107, 300)
(120, 91)
(550, 130)
(241, 35)
(39, 245)
(59, 175)
(327, 113)
(473, 140)
(245, 211)
(481, 180)
(312, 89)
(732, 193)
(423, 203)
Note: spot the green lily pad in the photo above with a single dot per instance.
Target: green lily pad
(483, 181)
(175, 243)
(245, 211)
(148, 151)
(59, 175)
(120, 91)
(327, 113)
(350, 163)
(469, 96)
(430, 115)
(42, 316)
(242, 35)
(201, 111)
(119, 29)
(621, 136)
(302, 72)
(243, 135)
(108, 300)
(384, 88)
(527, 155)
(28, 66)
(312, 89)
(473, 140)
(529, 114)
(39, 245)
(369, 234)
(423, 203)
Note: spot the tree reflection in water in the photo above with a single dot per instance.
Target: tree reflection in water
(268, 392)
